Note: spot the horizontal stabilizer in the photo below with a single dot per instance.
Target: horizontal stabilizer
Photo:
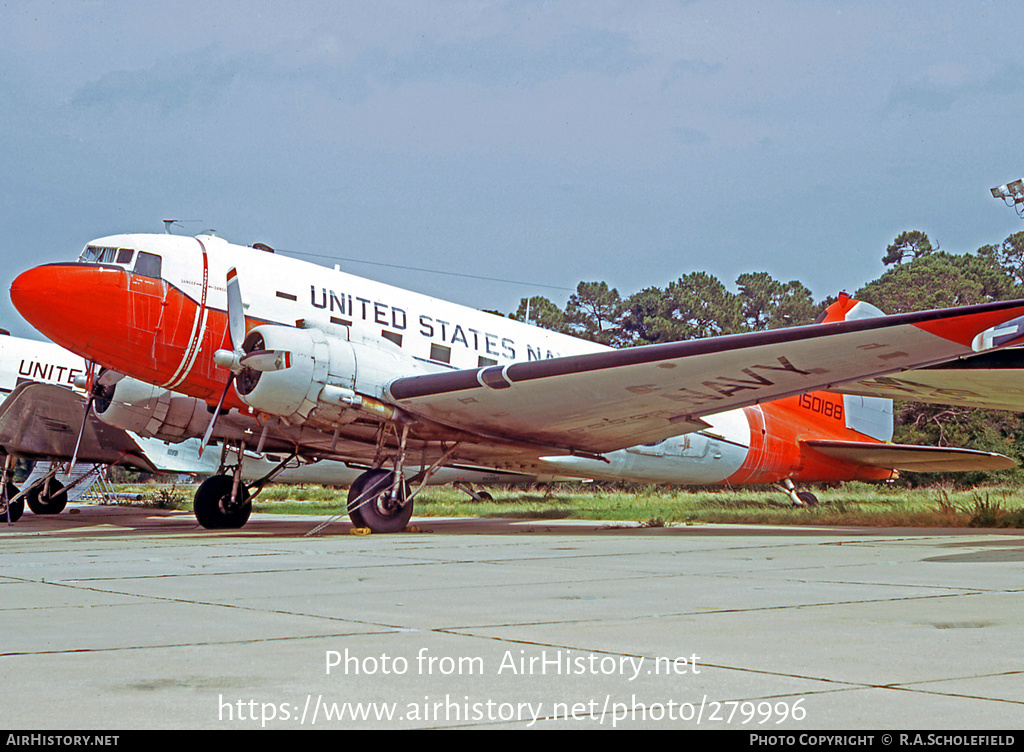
(921, 459)
(990, 381)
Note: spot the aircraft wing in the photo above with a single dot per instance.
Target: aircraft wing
(922, 459)
(992, 381)
(608, 400)
(42, 421)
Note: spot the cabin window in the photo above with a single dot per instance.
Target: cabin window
(482, 361)
(148, 265)
(440, 353)
(393, 336)
(124, 256)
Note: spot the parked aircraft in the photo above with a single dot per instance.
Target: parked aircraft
(41, 418)
(336, 366)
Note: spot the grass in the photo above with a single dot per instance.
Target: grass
(850, 504)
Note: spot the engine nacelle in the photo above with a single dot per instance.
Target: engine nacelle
(321, 370)
(152, 411)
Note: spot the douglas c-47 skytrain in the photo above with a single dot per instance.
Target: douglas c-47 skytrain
(330, 365)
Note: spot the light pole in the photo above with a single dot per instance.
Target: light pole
(1012, 194)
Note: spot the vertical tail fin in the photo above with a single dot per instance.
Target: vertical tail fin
(871, 416)
(848, 309)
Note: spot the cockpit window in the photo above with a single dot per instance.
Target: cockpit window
(97, 254)
(148, 265)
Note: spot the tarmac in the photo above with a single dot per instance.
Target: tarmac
(127, 618)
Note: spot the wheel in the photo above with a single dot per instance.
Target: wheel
(484, 496)
(12, 510)
(808, 499)
(49, 498)
(370, 504)
(212, 504)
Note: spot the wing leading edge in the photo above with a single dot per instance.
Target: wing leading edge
(609, 400)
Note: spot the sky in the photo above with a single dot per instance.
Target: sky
(487, 151)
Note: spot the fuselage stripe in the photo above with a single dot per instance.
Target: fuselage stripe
(198, 328)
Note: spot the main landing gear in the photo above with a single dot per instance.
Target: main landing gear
(380, 499)
(377, 502)
(45, 496)
(223, 501)
(222, 504)
(12, 506)
(48, 497)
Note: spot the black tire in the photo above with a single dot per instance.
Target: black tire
(370, 505)
(48, 498)
(484, 496)
(809, 499)
(14, 509)
(213, 508)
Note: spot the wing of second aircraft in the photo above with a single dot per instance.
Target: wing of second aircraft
(41, 421)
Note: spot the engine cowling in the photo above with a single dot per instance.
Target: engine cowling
(319, 370)
(152, 411)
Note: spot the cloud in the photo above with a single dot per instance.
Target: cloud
(503, 60)
(943, 87)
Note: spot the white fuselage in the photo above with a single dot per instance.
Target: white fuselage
(436, 335)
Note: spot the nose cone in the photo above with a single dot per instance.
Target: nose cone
(110, 316)
(37, 293)
(66, 302)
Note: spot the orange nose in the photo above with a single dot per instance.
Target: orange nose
(75, 305)
(42, 296)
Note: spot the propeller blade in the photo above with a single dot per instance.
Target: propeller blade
(108, 377)
(267, 360)
(216, 414)
(236, 311)
(88, 408)
(81, 431)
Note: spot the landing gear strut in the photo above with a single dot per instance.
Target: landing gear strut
(11, 511)
(12, 506)
(479, 496)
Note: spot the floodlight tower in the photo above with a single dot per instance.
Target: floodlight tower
(1012, 194)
